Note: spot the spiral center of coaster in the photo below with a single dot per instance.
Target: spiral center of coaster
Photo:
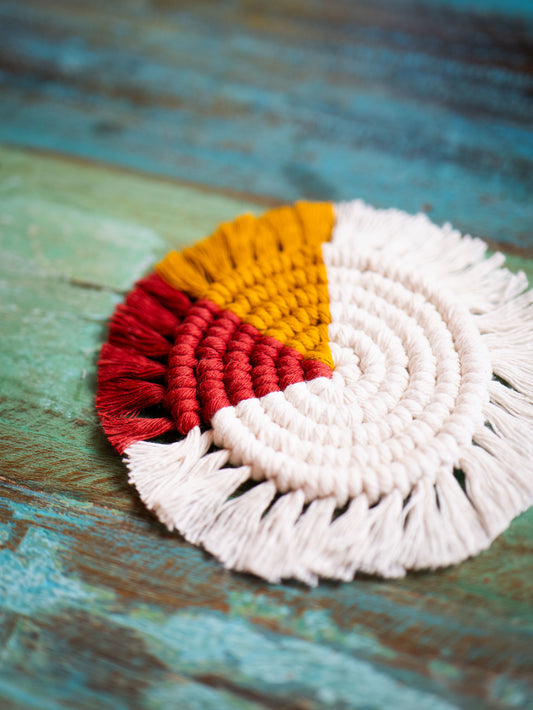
(407, 390)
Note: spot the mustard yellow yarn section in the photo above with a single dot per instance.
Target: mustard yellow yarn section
(269, 271)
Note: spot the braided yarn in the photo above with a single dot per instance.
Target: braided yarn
(339, 389)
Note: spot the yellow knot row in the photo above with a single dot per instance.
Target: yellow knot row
(269, 271)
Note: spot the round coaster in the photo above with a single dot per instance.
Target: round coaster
(327, 389)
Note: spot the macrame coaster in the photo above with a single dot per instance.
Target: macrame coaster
(332, 388)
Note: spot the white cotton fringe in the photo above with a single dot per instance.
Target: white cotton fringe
(197, 489)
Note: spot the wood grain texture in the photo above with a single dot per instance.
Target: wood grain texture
(99, 605)
(143, 125)
(420, 105)
(108, 610)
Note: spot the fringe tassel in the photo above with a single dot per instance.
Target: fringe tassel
(124, 430)
(133, 364)
(127, 331)
(147, 310)
(190, 490)
(183, 483)
(175, 301)
(120, 362)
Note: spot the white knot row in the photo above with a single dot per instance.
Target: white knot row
(410, 382)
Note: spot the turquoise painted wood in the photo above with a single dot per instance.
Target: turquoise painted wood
(132, 127)
(421, 105)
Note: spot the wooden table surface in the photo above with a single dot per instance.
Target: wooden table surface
(128, 127)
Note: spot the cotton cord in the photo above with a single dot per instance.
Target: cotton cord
(367, 374)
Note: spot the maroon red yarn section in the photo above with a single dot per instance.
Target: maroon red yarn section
(170, 364)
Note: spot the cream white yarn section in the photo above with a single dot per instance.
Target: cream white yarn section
(433, 351)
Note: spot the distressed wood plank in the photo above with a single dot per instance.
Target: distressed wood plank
(129, 616)
(420, 105)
